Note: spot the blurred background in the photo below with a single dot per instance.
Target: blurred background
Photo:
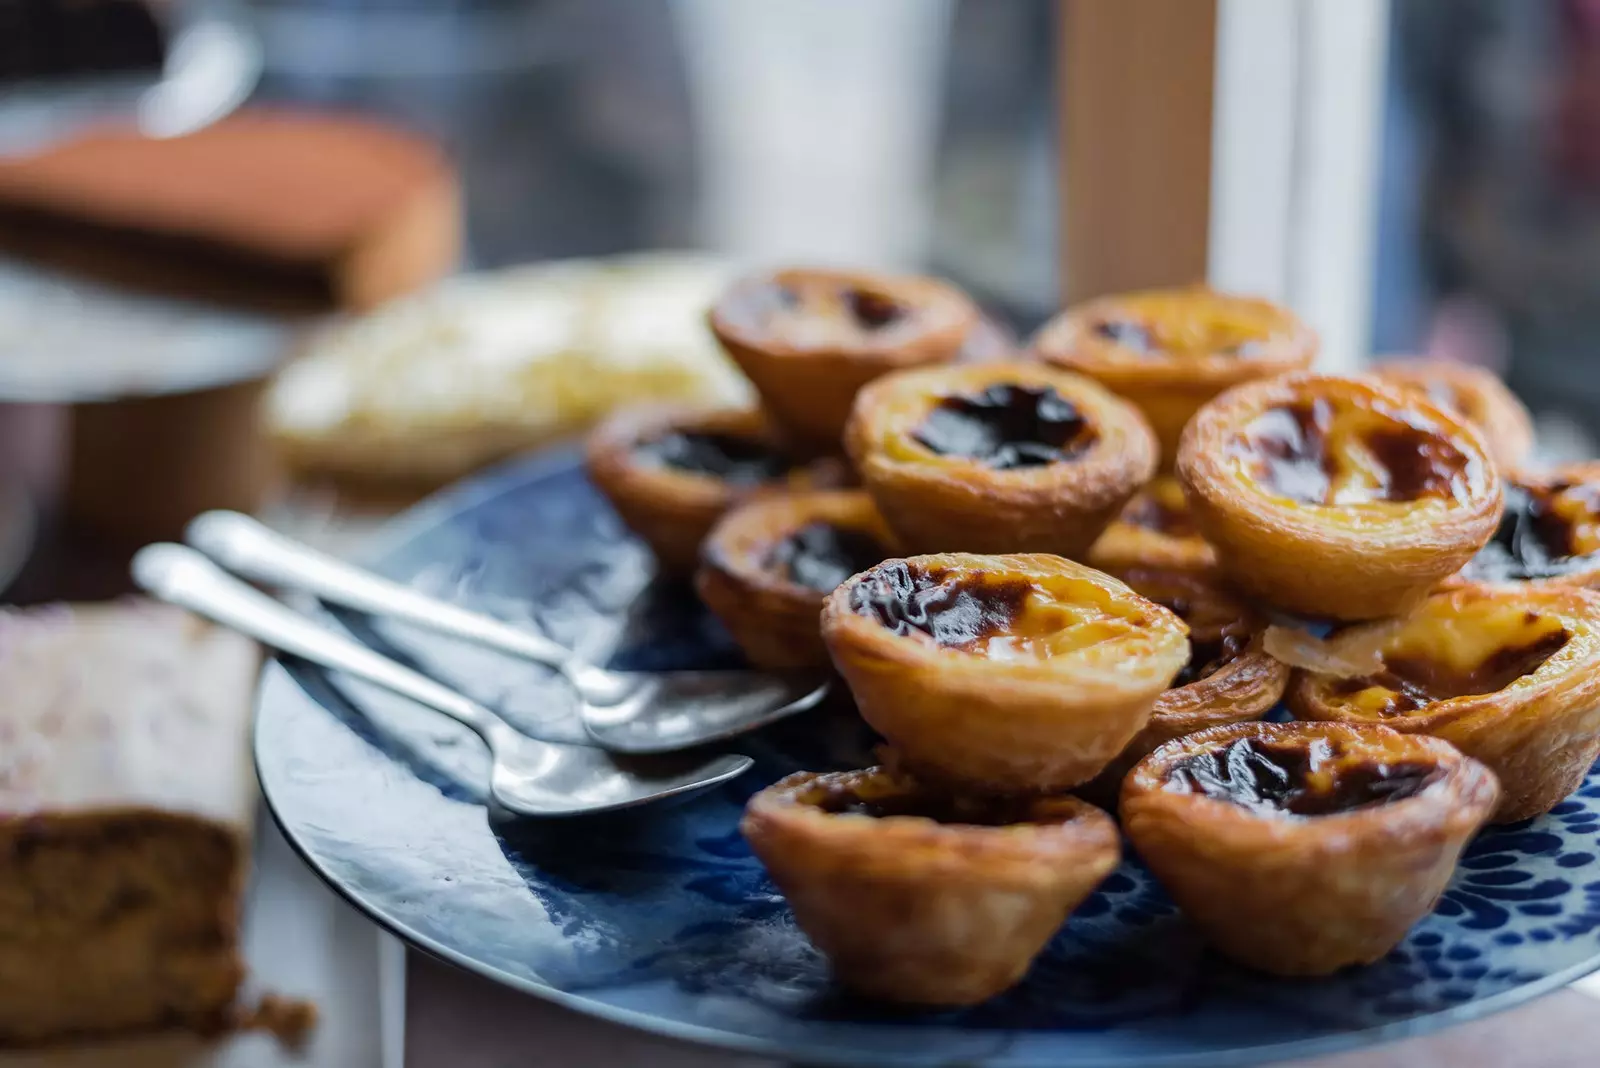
(1411, 175)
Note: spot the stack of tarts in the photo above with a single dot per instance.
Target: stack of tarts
(1076, 579)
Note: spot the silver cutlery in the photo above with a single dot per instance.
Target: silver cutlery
(529, 777)
(636, 712)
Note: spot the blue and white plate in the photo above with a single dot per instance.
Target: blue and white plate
(662, 920)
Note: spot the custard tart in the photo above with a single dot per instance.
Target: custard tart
(1341, 498)
(671, 473)
(1171, 350)
(1004, 457)
(809, 339)
(921, 897)
(1009, 674)
(1301, 848)
(1549, 533)
(767, 565)
(1155, 530)
(1477, 394)
(1229, 677)
(1509, 675)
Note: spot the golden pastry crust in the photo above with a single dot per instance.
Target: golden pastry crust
(1169, 351)
(1229, 677)
(1549, 534)
(1509, 675)
(1341, 498)
(1477, 394)
(1056, 498)
(810, 339)
(1009, 674)
(763, 583)
(672, 507)
(1155, 530)
(1305, 879)
(920, 910)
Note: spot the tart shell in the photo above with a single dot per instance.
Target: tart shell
(914, 911)
(1244, 688)
(807, 387)
(1302, 896)
(1128, 543)
(1344, 563)
(671, 510)
(1170, 389)
(1476, 393)
(1540, 735)
(1584, 473)
(940, 503)
(775, 621)
(1006, 726)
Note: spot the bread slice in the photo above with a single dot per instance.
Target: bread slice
(267, 208)
(126, 802)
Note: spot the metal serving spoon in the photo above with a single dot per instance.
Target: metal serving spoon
(528, 777)
(623, 711)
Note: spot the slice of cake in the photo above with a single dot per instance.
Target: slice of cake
(273, 208)
(126, 798)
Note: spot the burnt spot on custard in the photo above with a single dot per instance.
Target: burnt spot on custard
(972, 811)
(1275, 778)
(1149, 512)
(1416, 682)
(1288, 450)
(955, 609)
(1534, 540)
(731, 457)
(873, 311)
(819, 556)
(1207, 656)
(1006, 427)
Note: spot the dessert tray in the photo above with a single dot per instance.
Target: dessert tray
(1190, 707)
(665, 921)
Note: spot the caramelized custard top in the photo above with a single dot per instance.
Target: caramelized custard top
(1299, 778)
(1545, 532)
(956, 610)
(1219, 627)
(1320, 452)
(1007, 426)
(805, 309)
(1416, 681)
(820, 555)
(844, 800)
(731, 457)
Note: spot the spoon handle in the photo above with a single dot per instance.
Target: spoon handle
(183, 577)
(246, 547)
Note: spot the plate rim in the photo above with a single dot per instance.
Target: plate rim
(499, 479)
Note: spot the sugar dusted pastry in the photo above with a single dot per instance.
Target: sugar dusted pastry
(1343, 498)
(1003, 457)
(1169, 351)
(809, 339)
(126, 804)
(1302, 848)
(922, 897)
(1002, 673)
(766, 567)
(1509, 675)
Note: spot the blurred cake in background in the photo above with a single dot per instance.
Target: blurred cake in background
(486, 365)
(288, 210)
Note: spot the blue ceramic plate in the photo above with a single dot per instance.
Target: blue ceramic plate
(663, 921)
